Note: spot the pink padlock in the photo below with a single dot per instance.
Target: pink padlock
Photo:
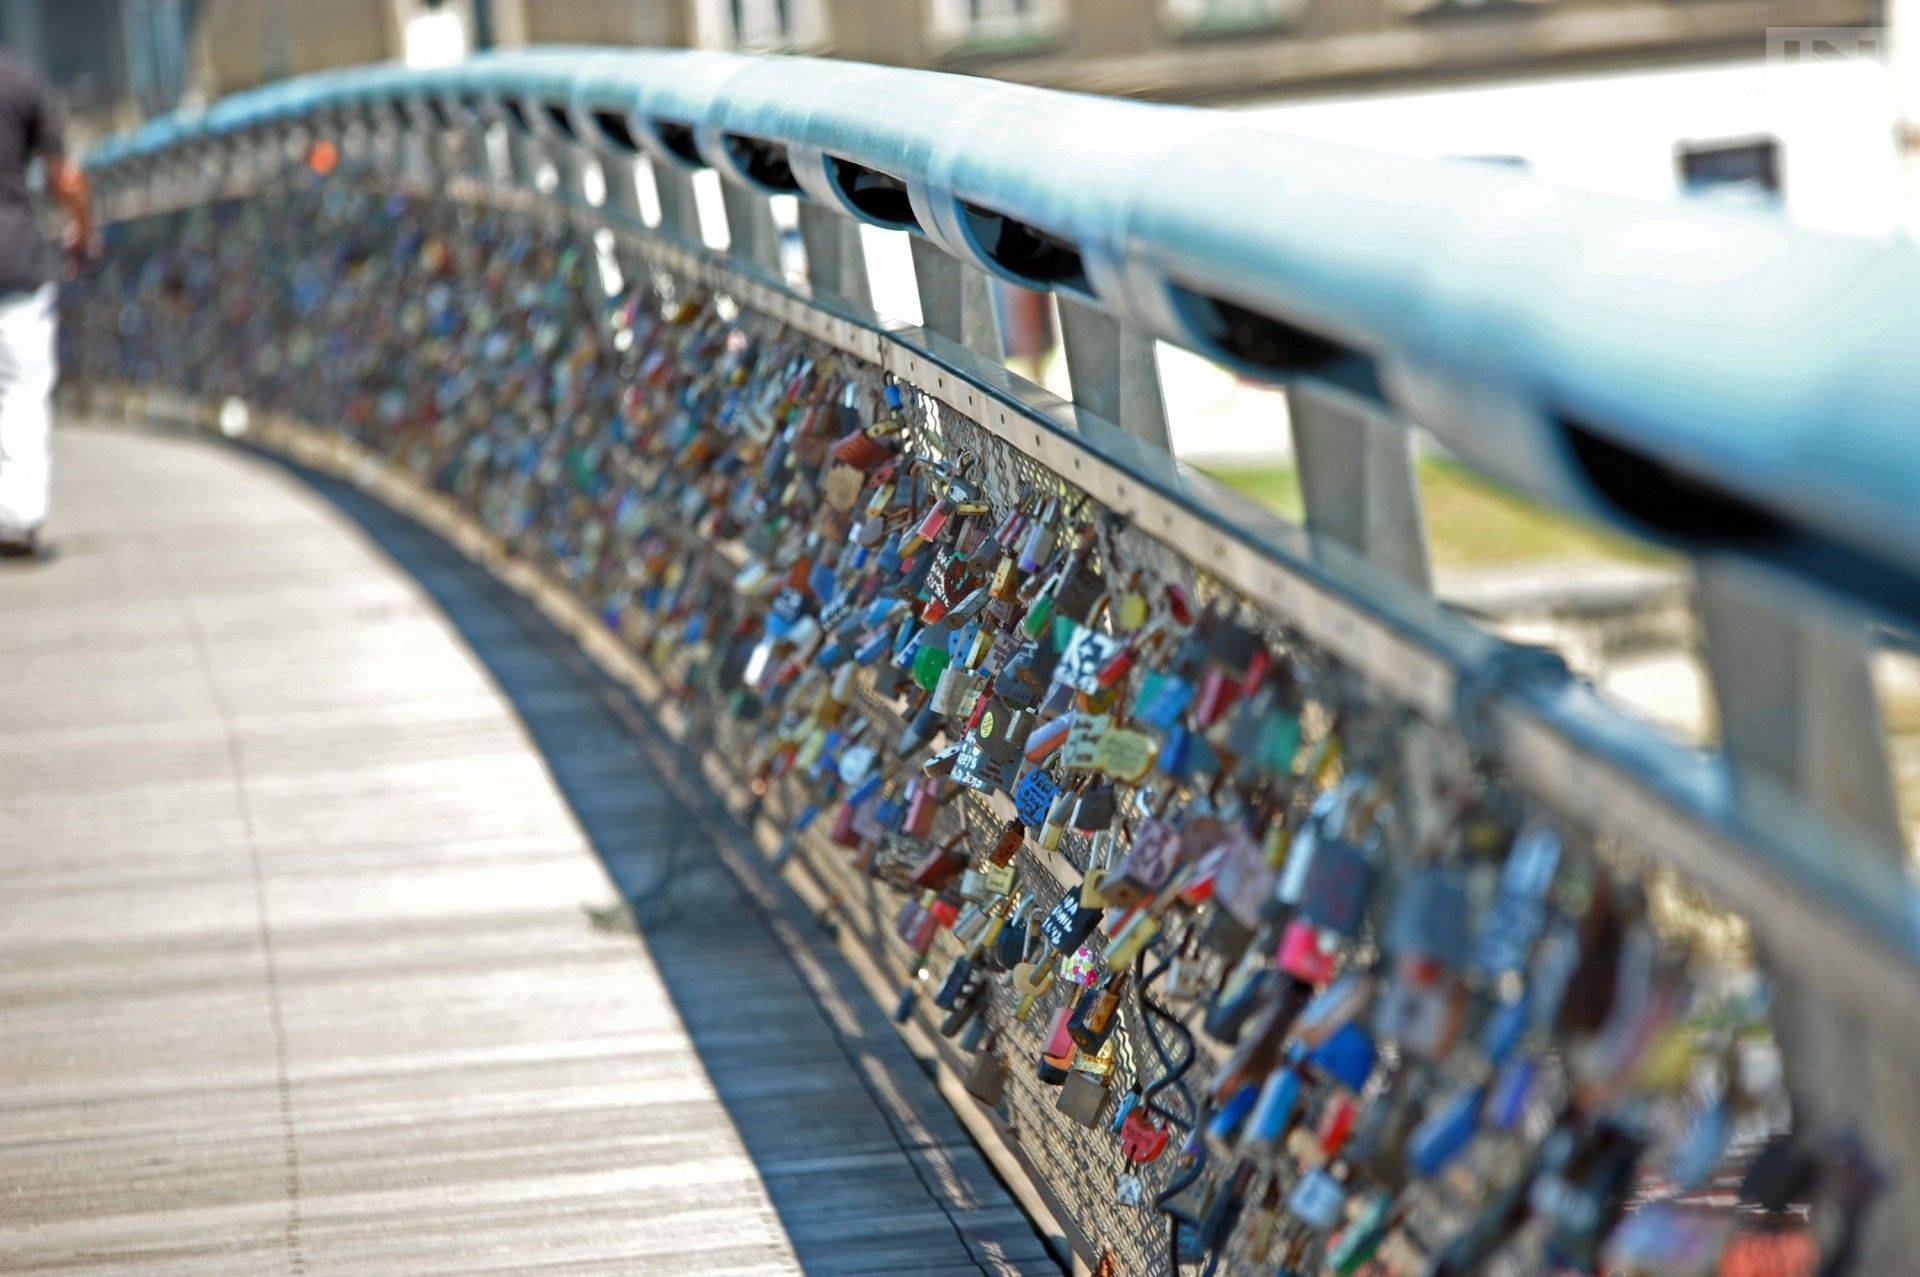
(1301, 956)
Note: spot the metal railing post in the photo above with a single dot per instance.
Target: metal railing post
(955, 301)
(679, 206)
(526, 158)
(751, 235)
(1800, 727)
(1113, 370)
(620, 172)
(836, 260)
(570, 162)
(1357, 482)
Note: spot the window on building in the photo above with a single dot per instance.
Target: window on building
(1745, 170)
(1202, 14)
(434, 35)
(994, 20)
(760, 24)
(1447, 8)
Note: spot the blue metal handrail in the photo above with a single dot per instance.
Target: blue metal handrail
(1706, 376)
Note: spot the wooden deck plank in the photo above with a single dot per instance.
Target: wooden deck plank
(304, 956)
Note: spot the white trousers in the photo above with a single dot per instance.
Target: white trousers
(26, 417)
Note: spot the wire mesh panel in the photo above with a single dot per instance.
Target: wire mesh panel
(1260, 969)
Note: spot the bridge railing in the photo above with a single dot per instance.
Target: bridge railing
(1713, 380)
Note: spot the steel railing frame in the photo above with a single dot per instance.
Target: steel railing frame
(1607, 356)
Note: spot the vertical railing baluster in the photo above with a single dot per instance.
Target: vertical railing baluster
(679, 205)
(956, 301)
(1357, 482)
(836, 260)
(1113, 370)
(751, 236)
(1801, 728)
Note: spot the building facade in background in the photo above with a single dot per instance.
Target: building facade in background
(1180, 50)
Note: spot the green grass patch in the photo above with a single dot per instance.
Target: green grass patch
(1471, 521)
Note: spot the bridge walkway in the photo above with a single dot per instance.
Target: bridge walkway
(312, 843)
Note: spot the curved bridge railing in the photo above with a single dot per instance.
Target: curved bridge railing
(1179, 823)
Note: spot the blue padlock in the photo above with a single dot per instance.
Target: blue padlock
(1033, 796)
(1347, 1056)
(1446, 1130)
(873, 647)
(1225, 1125)
(1279, 1099)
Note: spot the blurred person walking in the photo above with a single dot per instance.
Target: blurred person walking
(30, 128)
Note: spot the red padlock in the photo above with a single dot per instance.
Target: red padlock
(1336, 1124)
(1141, 1139)
(940, 866)
(860, 450)
(842, 833)
(1217, 691)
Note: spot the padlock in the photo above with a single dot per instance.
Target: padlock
(925, 795)
(1031, 980)
(1068, 924)
(1016, 937)
(955, 983)
(1149, 862)
(1131, 938)
(1516, 916)
(1330, 881)
(1055, 822)
(955, 691)
(1056, 1057)
(917, 926)
(1214, 1227)
(1276, 1104)
(1340, 1003)
(1037, 545)
(1429, 916)
(1094, 808)
(971, 1003)
(1447, 1129)
(1083, 1097)
(1235, 1002)
(1097, 1014)
(1142, 1139)
(1422, 1008)
(1318, 1200)
(941, 865)
(986, 1076)
(1345, 1059)
(1302, 956)
(1034, 797)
